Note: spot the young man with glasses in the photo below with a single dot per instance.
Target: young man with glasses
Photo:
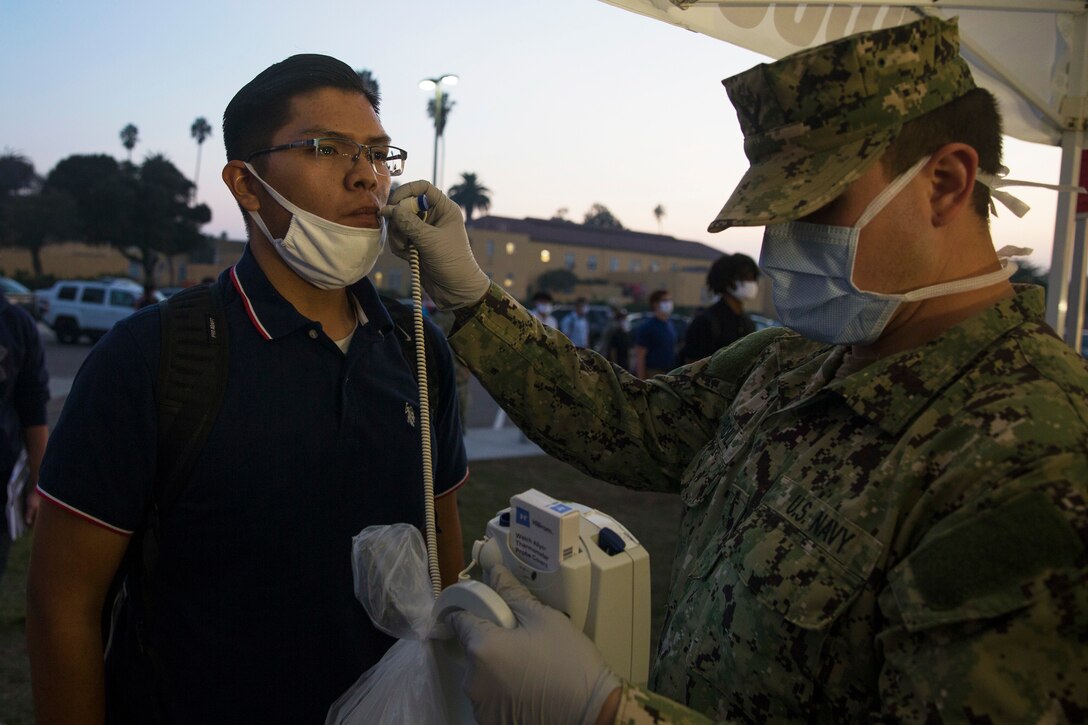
(254, 616)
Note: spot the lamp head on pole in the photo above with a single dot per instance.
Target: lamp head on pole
(431, 84)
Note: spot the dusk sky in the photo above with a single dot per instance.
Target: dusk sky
(561, 104)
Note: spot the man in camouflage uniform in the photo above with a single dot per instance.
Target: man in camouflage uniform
(885, 518)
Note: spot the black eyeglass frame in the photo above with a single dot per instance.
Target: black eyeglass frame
(315, 143)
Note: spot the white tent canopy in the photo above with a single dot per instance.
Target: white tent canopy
(1032, 54)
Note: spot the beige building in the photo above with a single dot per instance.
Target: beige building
(612, 265)
(75, 260)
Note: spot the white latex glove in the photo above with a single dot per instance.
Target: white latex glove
(542, 671)
(449, 271)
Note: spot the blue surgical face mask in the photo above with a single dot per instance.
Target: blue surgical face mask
(812, 266)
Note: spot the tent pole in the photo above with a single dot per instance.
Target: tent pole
(1061, 264)
(1075, 320)
(1061, 259)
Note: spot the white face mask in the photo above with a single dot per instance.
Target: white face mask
(665, 307)
(325, 254)
(544, 308)
(745, 290)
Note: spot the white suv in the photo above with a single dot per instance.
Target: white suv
(73, 308)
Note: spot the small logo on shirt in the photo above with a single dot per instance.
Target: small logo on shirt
(410, 414)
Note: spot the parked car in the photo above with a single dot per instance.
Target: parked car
(19, 294)
(77, 308)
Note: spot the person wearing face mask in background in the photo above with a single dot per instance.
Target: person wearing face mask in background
(543, 304)
(654, 339)
(735, 279)
(576, 324)
(252, 617)
(884, 502)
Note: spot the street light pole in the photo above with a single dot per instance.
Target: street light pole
(439, 122)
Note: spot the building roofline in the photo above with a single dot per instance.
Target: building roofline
(558, 231)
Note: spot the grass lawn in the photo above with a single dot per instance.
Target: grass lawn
(653, 519)
(15, 704)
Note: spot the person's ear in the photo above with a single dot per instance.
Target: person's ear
(951, 171)
(242, 185)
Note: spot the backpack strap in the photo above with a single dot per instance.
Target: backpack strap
(193, 367)
(192, 379)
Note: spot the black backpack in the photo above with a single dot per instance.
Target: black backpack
(192, 379)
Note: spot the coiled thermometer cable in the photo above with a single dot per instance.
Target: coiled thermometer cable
(422, 211)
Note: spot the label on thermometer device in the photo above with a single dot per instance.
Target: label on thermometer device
(543, 532)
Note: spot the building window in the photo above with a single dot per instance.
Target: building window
(675, 267)
(568, 260)
(378, 279)
(614, 265)
(655, 266)
(509, 247)
(394, 279)
(591, 263)
(490, 247)
(636, 265)
(509, 281)
(545, 256)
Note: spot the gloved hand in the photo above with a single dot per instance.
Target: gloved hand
(542, 671)
(449, 271)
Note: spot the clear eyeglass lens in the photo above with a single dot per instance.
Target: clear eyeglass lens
(332, 148)
(386, 160)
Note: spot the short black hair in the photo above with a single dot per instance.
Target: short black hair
(542, 295)
(973, 119)
(657, 294)
(262, 106)
(729, 269)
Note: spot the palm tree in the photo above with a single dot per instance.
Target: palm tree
(129, 137)
(440, 121)
(440, 114)
(659, 212)
(200, 130)
(470, 195)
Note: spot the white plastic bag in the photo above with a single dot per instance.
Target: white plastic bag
(393, 584)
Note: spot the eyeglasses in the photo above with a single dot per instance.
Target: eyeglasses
(386, 160)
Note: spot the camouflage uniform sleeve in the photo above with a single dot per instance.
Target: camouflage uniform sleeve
(987, 618)
(642, 707)
(584, 410)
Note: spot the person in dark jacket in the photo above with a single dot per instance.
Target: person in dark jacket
(735, 279)
(24, 391)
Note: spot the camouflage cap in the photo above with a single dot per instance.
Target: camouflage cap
(815, 121)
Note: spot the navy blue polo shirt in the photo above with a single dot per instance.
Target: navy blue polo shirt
(258, 621)
(24, 386)
(659, 338)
